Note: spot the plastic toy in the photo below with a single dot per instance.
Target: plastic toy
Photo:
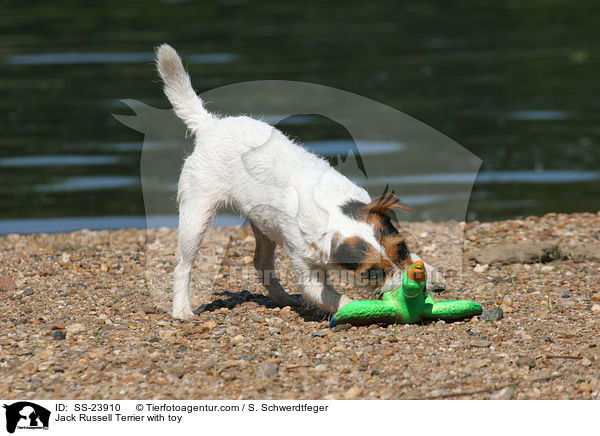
(407, 304)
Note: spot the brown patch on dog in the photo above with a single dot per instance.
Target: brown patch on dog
(376, 214)
(364, 260)
(317, 250)
(351, 253)
(373, 259)
(381, 223)
(397, 250)
(375, 269)
(390, 239)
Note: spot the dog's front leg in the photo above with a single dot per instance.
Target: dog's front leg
(316, 288)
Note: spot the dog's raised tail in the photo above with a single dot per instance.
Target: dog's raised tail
(178, 89)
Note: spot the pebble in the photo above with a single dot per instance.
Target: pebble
(352, 393)
(163, 308)
(247, 260)
(96, 354)
(176, 371)
(440, 392)
(526, 361)
(165, 334)
(7, 284)
(586, 362)
(520, 252)
(218, 332)
(596, 297)
(256, 317)
(208, 325)
(595, 307)
(506, 309)
(484, 343)
(506, 393)
(493, 314)
(589, 252)
(237, 339)
(28, 292)
(28, 367)
(321, 367)
(46, 354)
(267, 370)
(584, 388)
(473, 364)
(148, 309)
(481, 268)
(75, 328)
(319, 334)
(59, 335)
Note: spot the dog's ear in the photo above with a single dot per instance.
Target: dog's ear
(325, 245)
(385, 202)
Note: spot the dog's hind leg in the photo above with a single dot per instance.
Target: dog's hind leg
(264, 262)
(195, 215)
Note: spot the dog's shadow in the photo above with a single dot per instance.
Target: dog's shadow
(231, 300)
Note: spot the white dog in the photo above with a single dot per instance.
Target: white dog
(291, 197)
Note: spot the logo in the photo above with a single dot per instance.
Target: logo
(26, 415)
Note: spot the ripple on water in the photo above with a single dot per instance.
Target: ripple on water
(112, 58)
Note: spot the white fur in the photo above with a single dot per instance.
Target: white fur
(290, 196)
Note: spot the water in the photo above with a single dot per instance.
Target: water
(514, 83)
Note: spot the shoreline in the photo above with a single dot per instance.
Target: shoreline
(33, 226)
(86, 317)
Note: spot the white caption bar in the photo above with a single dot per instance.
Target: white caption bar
(271, 417)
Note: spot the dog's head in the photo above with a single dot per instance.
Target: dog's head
(376, 253)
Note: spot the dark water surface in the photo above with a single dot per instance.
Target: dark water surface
(516, 83)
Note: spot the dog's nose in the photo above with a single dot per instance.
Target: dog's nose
(435, 280)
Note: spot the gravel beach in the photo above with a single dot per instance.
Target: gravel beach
(85, 316)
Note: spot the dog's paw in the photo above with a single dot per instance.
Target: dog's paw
(183, 314)
(343, 301)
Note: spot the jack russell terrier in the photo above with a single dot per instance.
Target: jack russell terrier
(291, 197)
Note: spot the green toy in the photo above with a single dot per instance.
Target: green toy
(407, 304)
